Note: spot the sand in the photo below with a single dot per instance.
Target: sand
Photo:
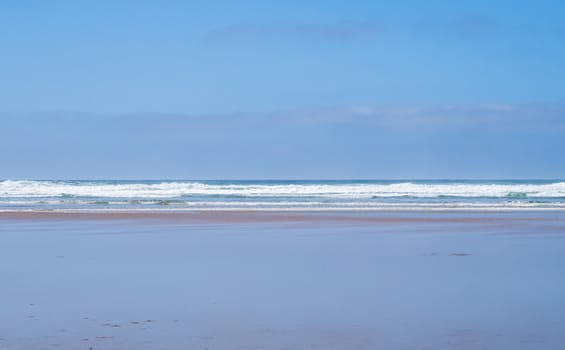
(280, 280)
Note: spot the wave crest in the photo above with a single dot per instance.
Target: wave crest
(73, 189)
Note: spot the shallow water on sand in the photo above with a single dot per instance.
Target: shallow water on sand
(459, 281)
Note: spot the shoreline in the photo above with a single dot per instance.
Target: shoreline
(257, 216)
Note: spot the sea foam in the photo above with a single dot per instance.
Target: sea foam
(23, 189)
(287, 195)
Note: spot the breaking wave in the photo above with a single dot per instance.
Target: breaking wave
(99, 189)
(287, 195)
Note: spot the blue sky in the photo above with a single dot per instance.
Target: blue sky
(285, 89)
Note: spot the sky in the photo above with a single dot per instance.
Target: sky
(282, 89)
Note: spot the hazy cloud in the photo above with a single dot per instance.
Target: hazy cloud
(343, 31)
(501, 116)
(473, 25)
(483, 116)
(435, 141)
(463, 26)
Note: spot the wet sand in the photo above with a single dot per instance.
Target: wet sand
(280, 280)
(274, 216)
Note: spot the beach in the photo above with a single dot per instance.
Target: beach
(282, 280)
(282, 175)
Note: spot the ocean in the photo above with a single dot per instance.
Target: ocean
(137, 195)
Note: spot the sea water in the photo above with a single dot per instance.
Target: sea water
(128, 195)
